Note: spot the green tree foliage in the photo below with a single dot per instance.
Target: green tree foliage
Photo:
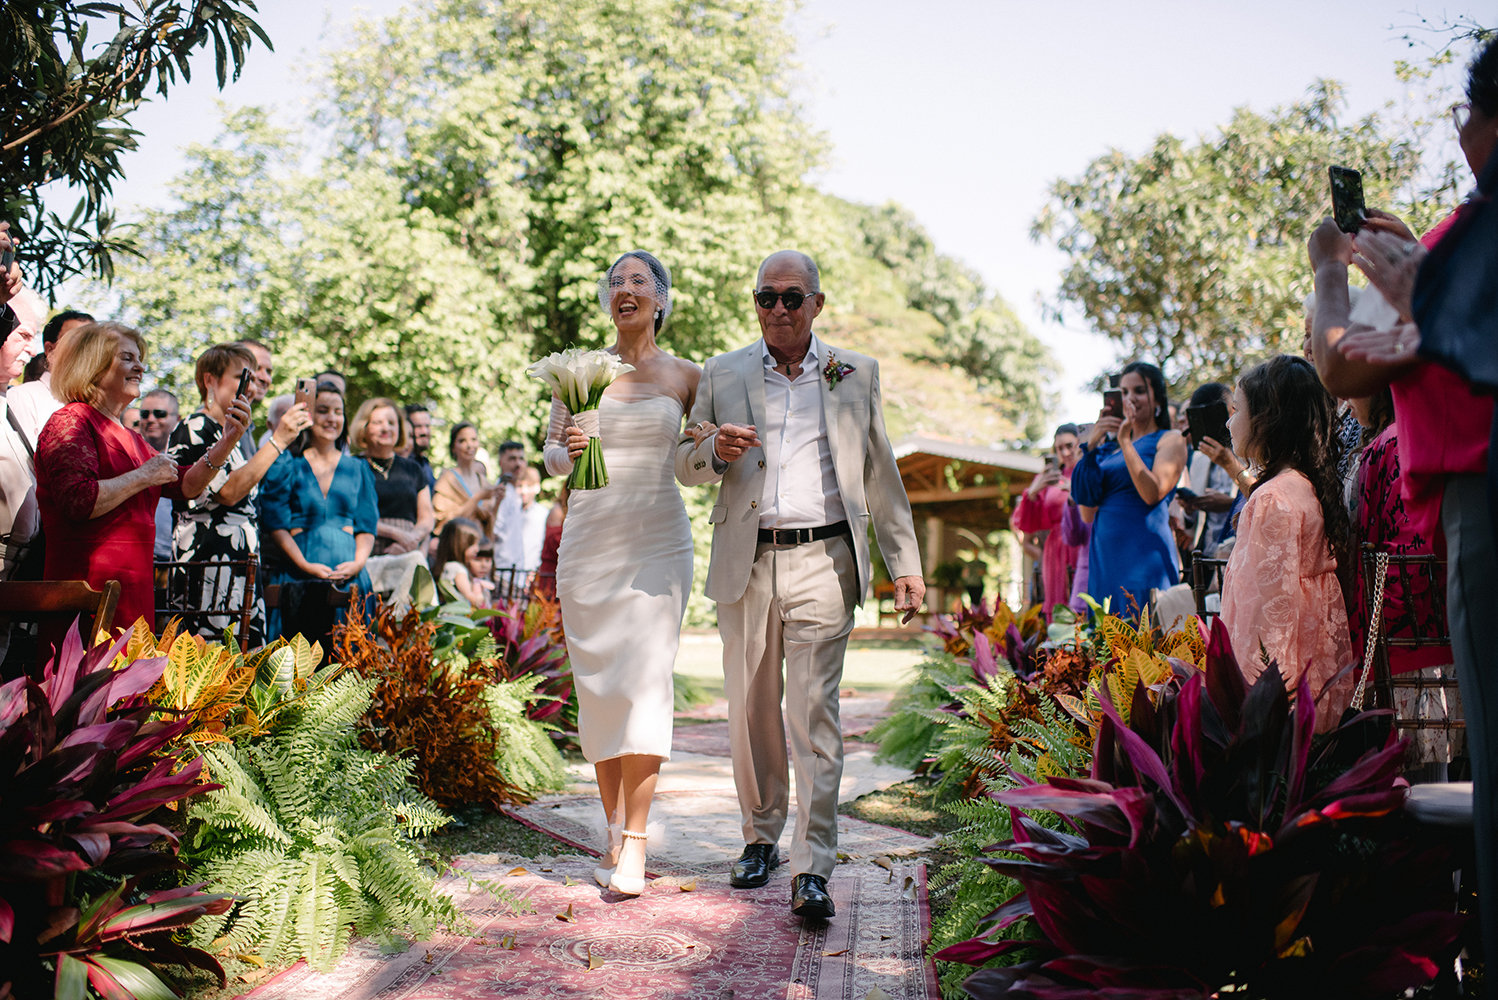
(489, 161)
(1193, 254)
(67, 103)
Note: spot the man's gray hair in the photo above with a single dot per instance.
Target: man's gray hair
(169, 394)
(806, 262)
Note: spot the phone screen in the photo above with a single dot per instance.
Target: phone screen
(1347, 199)
(1113, 403)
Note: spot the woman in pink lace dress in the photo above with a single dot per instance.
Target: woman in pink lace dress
(1280, 595)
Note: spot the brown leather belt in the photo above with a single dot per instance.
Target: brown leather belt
(796, 536)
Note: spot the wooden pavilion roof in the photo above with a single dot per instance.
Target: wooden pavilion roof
(963, 483)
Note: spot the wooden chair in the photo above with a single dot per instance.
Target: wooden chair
(1423, 621)
(1203, 572)
(199, 590)
(39, 601)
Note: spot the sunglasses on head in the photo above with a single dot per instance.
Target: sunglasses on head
(792, 299)
(157, 414)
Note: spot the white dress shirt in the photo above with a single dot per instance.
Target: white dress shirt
(509, 531)
(535, 534)
(33, 404)
(19, 516)
(800, 482)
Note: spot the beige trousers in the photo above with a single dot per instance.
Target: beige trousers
(797, 610)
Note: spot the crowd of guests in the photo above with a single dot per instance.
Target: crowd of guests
(99, 482)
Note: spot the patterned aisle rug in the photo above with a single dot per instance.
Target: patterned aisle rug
(685, 937)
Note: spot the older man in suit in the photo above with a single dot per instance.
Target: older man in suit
(806, 467)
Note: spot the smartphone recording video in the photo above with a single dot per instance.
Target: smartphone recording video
(306, 392)
(1113, 403)
(246, 379)
(1347, 199)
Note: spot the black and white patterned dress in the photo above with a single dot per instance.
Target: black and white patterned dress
(208, 530)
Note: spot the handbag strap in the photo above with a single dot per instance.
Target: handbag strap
(10, 414)
(1381, 569)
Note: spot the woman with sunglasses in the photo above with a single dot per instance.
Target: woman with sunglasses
(624, 567)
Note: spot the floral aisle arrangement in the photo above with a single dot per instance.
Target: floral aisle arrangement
(1211, 848)
(578, 378)
(84, 793)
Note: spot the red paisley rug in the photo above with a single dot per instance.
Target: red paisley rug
(687, 936)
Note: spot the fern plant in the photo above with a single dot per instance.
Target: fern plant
(1041, 747)
(525, 753)
(314, 834)
(908, 736)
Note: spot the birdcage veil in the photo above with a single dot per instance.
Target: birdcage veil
(657, 286)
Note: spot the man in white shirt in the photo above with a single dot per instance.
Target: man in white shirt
(509, 518)
(806, 469)
(33, 402)
(528, 486)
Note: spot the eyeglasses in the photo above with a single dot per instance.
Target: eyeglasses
(156, 414)
(1461, 114)
(792, 299)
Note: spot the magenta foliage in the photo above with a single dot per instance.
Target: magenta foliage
(81, 775)
(1211, 847)
(542, 655)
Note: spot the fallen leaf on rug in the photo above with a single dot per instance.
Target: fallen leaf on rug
(427, 958)
(888, 864)
(567, 915)
(517, 870)
(507, 943)
(689, 886)
(594, 962)
(908, 890)
(877, 994)
(834, 954)
(568, 880)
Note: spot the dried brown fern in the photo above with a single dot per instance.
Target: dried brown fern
(436, 715)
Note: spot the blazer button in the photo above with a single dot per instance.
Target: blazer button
(753, 504)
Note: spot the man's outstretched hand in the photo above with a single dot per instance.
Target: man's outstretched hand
(910, 591)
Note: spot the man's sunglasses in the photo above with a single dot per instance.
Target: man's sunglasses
(792, 300)
(157, 414)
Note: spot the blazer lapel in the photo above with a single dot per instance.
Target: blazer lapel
(754, 383)
(829, 406)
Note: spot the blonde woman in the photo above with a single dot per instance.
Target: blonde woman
(97, 482)
(378, 435)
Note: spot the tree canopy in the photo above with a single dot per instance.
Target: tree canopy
(1192, 255)
(489, 161)
(67, 103)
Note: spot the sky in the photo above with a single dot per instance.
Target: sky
(962, 110)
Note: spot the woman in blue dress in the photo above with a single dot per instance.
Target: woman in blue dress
(1123, 485)
(318, 506)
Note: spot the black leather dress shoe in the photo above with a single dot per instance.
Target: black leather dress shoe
(754, 866)
(809, 897)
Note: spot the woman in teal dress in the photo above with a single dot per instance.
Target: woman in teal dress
(318, 506)
(1123, 485)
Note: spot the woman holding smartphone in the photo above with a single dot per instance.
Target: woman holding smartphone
(1123, 485)
(222, 523)
(1041, 509)
(319, 506)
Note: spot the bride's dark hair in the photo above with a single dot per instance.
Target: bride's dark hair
(1294, 425)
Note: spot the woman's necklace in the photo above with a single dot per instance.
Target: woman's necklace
(383, 470)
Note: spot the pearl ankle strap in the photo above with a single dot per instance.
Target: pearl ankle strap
(631, 835)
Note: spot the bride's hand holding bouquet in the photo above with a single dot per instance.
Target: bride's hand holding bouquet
(578, 378)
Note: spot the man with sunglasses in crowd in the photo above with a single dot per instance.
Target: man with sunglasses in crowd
(806, 469)
(159, 416)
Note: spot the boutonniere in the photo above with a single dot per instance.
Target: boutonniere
(835, 371)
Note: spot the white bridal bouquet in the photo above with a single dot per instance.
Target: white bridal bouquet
(578, 378)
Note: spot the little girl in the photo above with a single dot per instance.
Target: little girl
(465, 561)
(1280, 592)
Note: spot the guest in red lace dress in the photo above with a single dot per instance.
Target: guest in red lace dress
(97, 483)
(546, 573)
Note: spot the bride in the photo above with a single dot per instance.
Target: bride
(624, 568)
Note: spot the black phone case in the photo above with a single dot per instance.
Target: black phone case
(1113, 403)
(1210, 421)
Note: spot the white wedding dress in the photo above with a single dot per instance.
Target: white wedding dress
(624, 570)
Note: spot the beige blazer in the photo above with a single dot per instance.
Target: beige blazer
(732, 391)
